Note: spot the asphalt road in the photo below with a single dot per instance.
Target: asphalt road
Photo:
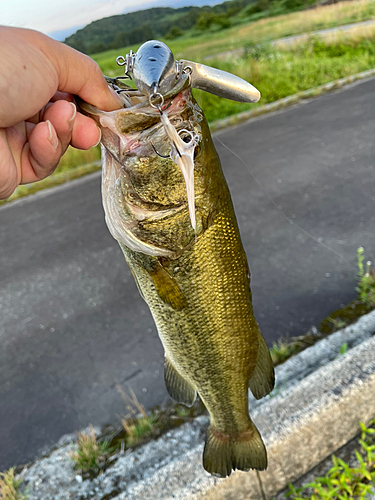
(72, 322)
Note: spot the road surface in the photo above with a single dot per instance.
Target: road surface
(73, 324)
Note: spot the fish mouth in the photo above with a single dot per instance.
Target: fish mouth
(137, 133)
(124, 130)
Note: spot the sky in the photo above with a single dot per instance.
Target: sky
(48, 16)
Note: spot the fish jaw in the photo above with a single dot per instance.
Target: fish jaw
(119, 225)
(132, 137)
(182, 154)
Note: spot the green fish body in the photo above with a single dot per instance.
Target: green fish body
(195, 282)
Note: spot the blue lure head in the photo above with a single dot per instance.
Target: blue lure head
(154, 68)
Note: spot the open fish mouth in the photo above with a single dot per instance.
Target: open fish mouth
(120, 127)
(157, 119)
(144, 132)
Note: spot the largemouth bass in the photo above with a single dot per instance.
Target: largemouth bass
(167, 203)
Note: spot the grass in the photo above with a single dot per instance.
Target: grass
(281, 72)
(10, 486)
(285, 348)
(342, 481)
(364, 303)
(366, 280)
(197, 45)
(91, 456)
(74, 164)
(137, 424)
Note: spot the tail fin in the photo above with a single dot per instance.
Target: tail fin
(224, 453)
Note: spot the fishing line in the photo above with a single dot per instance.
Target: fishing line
(291, 221)
(261, 486)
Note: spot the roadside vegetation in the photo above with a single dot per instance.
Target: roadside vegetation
(362, 304)
(94, 454)
(74, 164)
(344, 481)
(10, 487)
(283, 70)
(91, 455)
(257, 29)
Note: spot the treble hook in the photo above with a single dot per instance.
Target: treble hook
(165, 156)
(158, 106)
(157, 152)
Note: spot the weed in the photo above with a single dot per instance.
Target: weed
(182, 411)
(286, 348)
(342, 481)
(283, 350)
(366, 280)
(10, 486)
(343, 348)
(337, 323)
(138, 424)
(139, 429)
(91, 456)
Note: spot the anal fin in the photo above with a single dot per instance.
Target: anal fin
(177, 387)
(263, 379)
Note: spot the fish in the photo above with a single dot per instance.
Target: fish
(168, 205)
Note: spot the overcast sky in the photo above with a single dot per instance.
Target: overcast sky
(48, 16)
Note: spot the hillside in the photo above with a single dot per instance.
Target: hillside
(136, 27)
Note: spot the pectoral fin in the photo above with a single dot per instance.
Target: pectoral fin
(263, 378)
(178, 389)
(167, 288)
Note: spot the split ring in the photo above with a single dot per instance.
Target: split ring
(153, 97)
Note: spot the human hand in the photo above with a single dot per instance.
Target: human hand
(38, 119)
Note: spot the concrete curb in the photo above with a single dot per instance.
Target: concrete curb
(319, 399)
(288, 101)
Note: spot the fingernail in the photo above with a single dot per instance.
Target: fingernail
(71, 120)
(116, 97)
(100, 136)
(52, 137)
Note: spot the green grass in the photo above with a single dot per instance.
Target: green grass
(366, 280)
(343, 482)
(196, 45)
(284, 349)
(74, 164)
(90, 456)
(365, 302)
(278, 73)
(10, 486)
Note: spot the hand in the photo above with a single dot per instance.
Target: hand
(38, 119)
